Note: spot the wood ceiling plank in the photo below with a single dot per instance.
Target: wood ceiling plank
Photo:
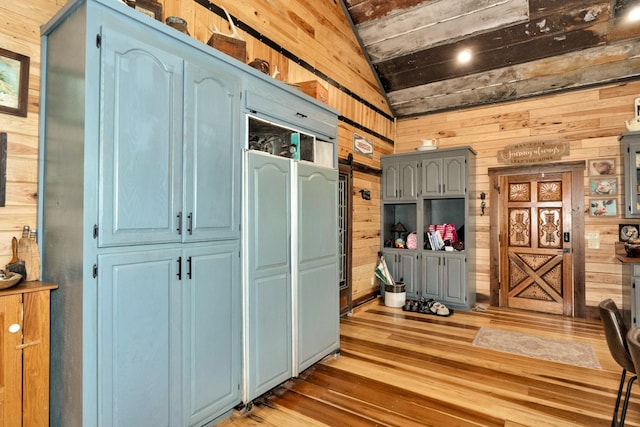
(598, 65)
(521, 43)
(363, 11)
(437, 23)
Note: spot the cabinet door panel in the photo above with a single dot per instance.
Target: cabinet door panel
(454, 176)
(140, 142)
(408, 270)
(431, 177)
(454, 278)
(10, 362)
(212, 319)
(431, 277)
(212, 192)
(269, 287)
(390, 182)
(318, 283)
(409, 180)
(139, 317)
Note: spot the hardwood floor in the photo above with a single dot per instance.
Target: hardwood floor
(404, 369)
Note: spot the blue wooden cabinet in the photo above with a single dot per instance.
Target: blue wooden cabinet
(139, 209)
(169, 312)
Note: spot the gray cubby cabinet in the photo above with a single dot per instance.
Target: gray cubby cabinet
(419, 189)
(631, 153)
(181, 295)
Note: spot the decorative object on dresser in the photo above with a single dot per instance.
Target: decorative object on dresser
(151, 8)
(14, 83)
(232, 44)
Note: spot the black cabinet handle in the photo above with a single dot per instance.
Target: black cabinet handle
(190, 223)
(189, 267)
(179, 268)
(179, 229)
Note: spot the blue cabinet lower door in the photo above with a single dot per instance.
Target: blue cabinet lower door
(212, 330)
(139, 339)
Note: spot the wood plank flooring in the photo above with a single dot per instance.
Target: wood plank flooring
(404, 369)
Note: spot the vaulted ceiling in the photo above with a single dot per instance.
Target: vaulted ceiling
(518, 48)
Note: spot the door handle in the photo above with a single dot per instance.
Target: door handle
(565, 251)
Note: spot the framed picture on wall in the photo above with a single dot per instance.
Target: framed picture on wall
(603, 207)
(602, 167)
(14, 83)
(627, 232)
(603, 186)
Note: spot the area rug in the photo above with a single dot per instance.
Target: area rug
(569, 352)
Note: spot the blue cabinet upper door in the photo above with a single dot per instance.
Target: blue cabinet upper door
(212, 152)
(140, 190)
(212, 322)
(139, 339)
(318, 308)
(269, 272)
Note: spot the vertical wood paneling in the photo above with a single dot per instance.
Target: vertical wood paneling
(589, 120)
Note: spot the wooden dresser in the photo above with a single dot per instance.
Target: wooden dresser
(24, 354)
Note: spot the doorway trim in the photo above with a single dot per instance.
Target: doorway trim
(577, 226)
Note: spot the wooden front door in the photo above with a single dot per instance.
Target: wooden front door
(535, 242)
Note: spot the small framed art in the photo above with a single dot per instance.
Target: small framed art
(603, 207)
(603, 186)
(602, 167)
(14, 83)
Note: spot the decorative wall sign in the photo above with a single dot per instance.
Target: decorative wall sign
(14, 83)
(362, 145)
(533, 152)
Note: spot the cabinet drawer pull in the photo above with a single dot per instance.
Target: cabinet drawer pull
(27, 344)
(14, 327)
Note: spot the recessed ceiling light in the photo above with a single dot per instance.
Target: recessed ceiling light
(464, 56)
(634, 14)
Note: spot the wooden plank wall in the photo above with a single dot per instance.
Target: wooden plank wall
(20, 33)
(589, 120)
(317, 32)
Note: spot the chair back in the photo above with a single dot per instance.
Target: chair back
(616, 334)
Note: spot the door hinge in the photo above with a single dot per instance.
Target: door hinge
(98, 41)
(95, 231)
(95, 270)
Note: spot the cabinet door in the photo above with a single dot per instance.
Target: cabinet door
(400, 180)
(139, 337)
(390, 181)
(212, 333)
(454, 177)
(318, 284)
(212, 148)
(11, 361)
(431, 283)
(408, 180)
(269, 278)
(403, 266)
(431, 182)
(140, 141)
(408, 270)
(454, 279)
